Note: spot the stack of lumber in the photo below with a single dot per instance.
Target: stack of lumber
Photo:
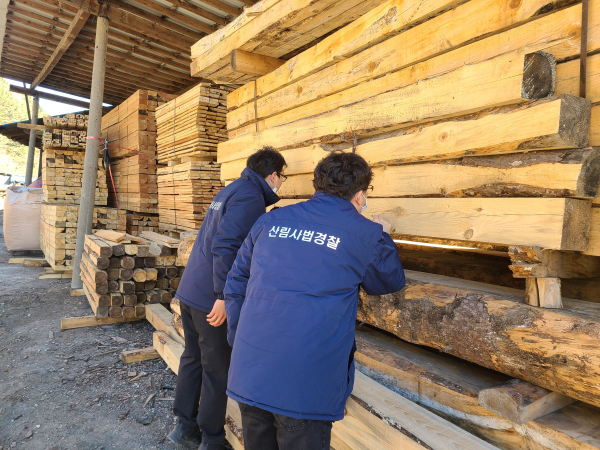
(72, 121)
(193, 123)
(267, 34)
(64, 138)
(121, 277)
(130, 128)
(507, 412)
(466, 141)
(185, 192)
(62, 172)
(137, 222)
(479, 136)
(135, 186)
(58, 231)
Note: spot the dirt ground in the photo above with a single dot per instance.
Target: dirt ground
(68, 389)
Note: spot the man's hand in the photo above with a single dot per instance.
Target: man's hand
(217, 316)
(387, 227)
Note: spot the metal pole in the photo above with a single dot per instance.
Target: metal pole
(40, 161)
(32, 136)
(90, 171)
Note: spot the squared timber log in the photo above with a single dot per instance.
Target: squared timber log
(554, 223)
(574, 173)
(554, 123)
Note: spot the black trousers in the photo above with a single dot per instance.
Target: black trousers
(200, 397)
(264, 430)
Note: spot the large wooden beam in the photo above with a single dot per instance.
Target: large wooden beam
(561, 223)
(64, 44)
(574, 173)
(554, 223)
(559, 122)
(492, 327)
(282, 28)
(510, 78)
(252, 63)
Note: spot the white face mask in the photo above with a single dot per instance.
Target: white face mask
(364, 207)
(275, 188)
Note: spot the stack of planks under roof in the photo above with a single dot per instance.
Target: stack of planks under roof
(62, 171)
(472, 118)
(130, 131)
(189, 130)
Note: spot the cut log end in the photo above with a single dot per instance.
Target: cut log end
(539, 75)
(575, 119)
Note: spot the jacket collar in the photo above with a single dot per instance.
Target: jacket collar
(269, 196)
(343, 203)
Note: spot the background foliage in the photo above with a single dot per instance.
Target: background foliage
(13, 156)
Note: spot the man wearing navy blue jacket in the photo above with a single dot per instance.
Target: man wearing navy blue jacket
(200, 397)
(291, 303)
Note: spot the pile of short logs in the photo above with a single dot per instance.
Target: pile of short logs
(120, 277)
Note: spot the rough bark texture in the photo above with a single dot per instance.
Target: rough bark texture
(492, 327)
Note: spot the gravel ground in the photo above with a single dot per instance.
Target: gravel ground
(68, 389)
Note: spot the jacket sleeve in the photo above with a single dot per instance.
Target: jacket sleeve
(240, 216)
(384, 274)
(237, 281)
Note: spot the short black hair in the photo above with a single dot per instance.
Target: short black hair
(266, 161)
(342, 174)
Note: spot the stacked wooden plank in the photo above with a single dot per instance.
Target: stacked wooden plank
(62, 172)
(138, 222)
(71, 121)
(473, 123)
(193, 123)
(64, 138)
(134, 181)
(274, 30)
(58, 231)
(185, 192)
(121, 277)
(130, 128)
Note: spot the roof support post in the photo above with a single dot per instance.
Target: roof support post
(41, 156)
(90, 170)
(32, 136)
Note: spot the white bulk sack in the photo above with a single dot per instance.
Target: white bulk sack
(22, 210)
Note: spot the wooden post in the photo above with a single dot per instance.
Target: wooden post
(32, 136)
(90, 172)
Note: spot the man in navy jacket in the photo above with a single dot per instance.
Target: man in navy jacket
(200, 397)
(291, 302)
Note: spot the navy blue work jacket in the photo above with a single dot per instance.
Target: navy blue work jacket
(232, 214)
(291, 299)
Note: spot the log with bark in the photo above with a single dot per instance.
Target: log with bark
(493, 327)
